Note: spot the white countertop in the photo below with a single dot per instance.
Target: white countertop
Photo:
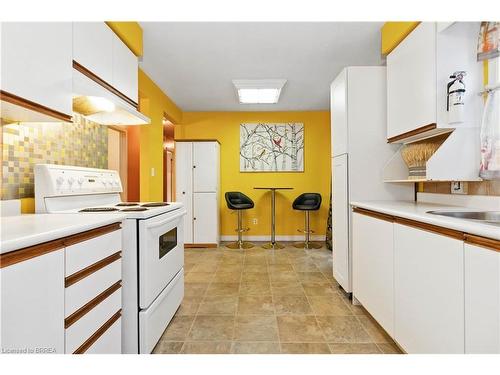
(418, 211)
(21, 231)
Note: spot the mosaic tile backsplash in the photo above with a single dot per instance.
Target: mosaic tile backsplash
(82, 143)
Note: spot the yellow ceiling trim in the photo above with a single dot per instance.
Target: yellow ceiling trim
(130, 33)
(392, 33)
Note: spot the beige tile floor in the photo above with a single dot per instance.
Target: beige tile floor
(268, 301)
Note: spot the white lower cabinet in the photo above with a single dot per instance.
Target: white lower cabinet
(373, 268)
(429, 291)
(482, 300)
(32, 305)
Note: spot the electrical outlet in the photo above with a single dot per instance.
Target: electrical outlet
(458, 187)
(255, 221)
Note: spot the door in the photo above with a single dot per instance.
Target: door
(373, 267)
(482, 300)
(205, 218)
(93, 48)
(32, 300)
(125, 70)
(340, 222)
(338, 110)
(412, 81)
(429, 291)
(36, 63)
(184, 184)
(161, 254)
(205, 167)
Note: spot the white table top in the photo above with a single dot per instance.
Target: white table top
(21, 231)
(418, 211)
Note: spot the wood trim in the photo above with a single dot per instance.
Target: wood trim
(199, 245)
(85, 236)
(17, 256)
(376, 215)
(103, 83)
(21, 255)
(487, 243)
(87, 271)
(430, 228)
(411, 133)
(32, 106)
(78, 314)
(197, 140)
(97, 334)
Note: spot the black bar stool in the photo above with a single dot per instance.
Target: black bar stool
(307, 202)
(238, 201)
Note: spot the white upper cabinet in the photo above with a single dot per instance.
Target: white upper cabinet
(36, 66)
(482, 300)
(411, 81)
(93, 48)
(338, 105)
(205, 167)
(429, 291)
(98, 49)
(418, 72)
(125, 70)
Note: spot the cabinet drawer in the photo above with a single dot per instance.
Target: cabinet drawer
(86, 253)
(86, 289)
(110, 342)
(82, 329)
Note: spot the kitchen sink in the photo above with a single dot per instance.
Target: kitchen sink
(486, 216)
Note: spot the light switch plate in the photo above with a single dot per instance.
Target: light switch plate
(459, 187)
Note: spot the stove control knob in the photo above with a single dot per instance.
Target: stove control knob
(71, 180)
(59, 180)
(80, 181)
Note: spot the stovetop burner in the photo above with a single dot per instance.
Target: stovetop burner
(154, 204)
(99, 209)
(131, 209)
(127, 204)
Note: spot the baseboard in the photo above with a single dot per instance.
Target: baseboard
(200, 245)
(283, 238)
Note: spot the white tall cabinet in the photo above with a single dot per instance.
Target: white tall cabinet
(197, 165)
(360, 152)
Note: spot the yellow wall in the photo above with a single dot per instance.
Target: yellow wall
(130, 33)
(224, 126)
(393, 33)
(155, 104)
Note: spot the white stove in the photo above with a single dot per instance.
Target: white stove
(153, 247)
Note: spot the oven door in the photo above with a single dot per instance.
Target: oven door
(161, 253)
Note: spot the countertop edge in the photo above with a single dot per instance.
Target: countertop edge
(466, 226)
(50, 235)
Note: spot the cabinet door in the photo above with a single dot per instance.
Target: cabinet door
(373, 268)
(429, 291)
(338, 110)
(205, 167)
(36, 63)
(93, 48)
(482, 300)
(125, 70)
(32, 300)
(205, 220)
(184, 184)
(341, 210)
(411, 81)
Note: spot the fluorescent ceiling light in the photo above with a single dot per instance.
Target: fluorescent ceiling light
(259, 91)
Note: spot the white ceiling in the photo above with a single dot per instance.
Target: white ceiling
(195, 62)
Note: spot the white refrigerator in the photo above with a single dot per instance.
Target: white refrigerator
(359, 153)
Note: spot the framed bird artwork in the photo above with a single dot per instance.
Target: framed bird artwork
(272, 147)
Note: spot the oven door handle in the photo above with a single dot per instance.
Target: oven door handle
(163, 222)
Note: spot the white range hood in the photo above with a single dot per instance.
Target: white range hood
(120, 111)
